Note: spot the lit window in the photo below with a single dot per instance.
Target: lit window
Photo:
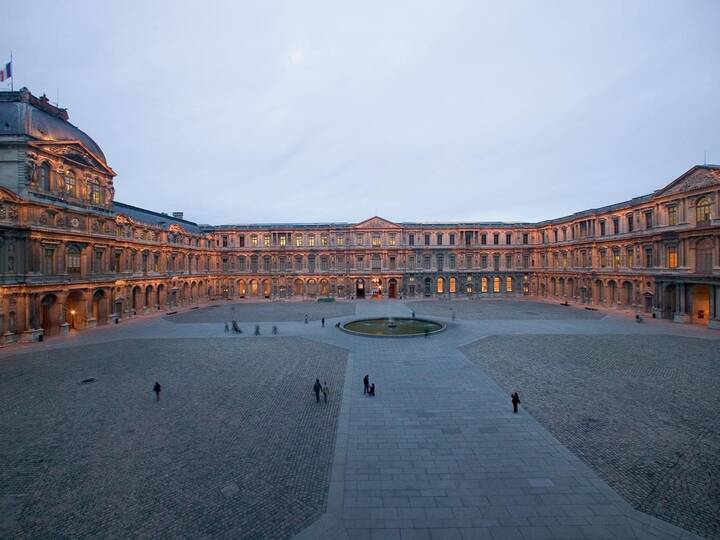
(672, 215)
(324, 240)
(496, 284)
(672, 257)
(94, 192)
(440, 285)
(340, 240)
(484, 285)
(391, 239)
(702, 211)
(453, 285)
(266, 240)
(70, 183)
(298, 240)
(311, 240)
(283, 240)
(376, 240)
(508, 284)
(254, 240)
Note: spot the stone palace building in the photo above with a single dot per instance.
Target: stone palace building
(73, 257)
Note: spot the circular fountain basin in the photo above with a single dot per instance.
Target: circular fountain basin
(392, 327)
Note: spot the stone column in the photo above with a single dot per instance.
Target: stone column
(681, 314)
(90, 321)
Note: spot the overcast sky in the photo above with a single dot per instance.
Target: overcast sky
(241, 112)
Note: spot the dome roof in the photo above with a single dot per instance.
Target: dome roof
(21, 113)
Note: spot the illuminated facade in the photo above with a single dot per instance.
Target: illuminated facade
(72, 257)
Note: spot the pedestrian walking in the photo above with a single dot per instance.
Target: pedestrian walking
(413, 314)
(157, 389)
(325, 391)
(366, 384)
(323, 322)
(515, 400)
(227, 328)
(316, 388)
(372, 390)
(275, 330)
(257, 329)
(306, 318)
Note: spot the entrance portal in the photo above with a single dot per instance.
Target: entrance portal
(700, 304)
(360, 288)
(392, 288)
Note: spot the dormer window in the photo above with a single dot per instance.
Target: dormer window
(45, 176)
(70, 184)
(95, 192)
(702, 211)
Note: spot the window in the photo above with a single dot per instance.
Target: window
(496, 284)
(508, 261)
(266, 240)
(254, 240)
(508, 238)
(439, 259)
(283, 240)
(359, 239)
(452, 262)
(508, 284)
(453, 285)
(483, 285)
(298, 264)
(602, 228)
(98, 262)
(156, 262)
(392, 262)
(483, 239)
(298, 240)
(242, 240)
(266, 263)
(70, 183)
(440, 285)
(672, 215)
(648, 257)
(392, 239)
(411, 239)
(224, 241)
(616, 225)
(375, 240)
(525, 238)
(375, 261)
(427, 239)
(359, 262)
(116, 261)
(496, 262)
(496, 239)
(49, 262)
(702, 211)
(340, 240)
(555, 235)
(630, 223)
(324, 263)
(616, 258)
(629, 257)
(483, 261)
(323, 240)
(311, 240)
(311, 263)
(452, 240)
(439, 239)
(704, 256)
(648, 219)
(603, 258)
(468, 238)
(526, 260)
(45, 176)
(672, 257)
(426, 262)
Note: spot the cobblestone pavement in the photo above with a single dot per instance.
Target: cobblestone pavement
(641, 410)
(494, 309)
(236, 448)
(265, 312)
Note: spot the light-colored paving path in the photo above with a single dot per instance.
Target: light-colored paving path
(438, 452)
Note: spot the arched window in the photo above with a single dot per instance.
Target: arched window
(73, 260)
(440, 285)
(45, 176)
(70, 183)
(496, 284)
(508, 284)
(702, 210)
(453, 285)
(484, 285)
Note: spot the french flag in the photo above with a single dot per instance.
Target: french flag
(6, 72)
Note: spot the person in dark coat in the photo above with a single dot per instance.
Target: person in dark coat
(157, 388)
(372, 389)
(323, 322)
(316, 388)
(366, 384)
(515, 400)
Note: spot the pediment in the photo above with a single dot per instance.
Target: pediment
(74, 151)
(376, 222)
(9, 196)
(698, 177)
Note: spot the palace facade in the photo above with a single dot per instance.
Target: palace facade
(73, 257)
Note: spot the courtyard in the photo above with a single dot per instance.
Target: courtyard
(617, 434)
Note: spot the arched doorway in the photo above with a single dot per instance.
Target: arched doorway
(311, 287)
(185, 293)
(161, 294)
(599, 292)
(75, 309)
(453, 286)
(149, 300)
(266, 288)
(392, 288)
(137, 300)
(440, 288)
(627, 293)
(612, 292)
(50, 311)
(298, 289)
(360, 288)
(324, 287)
(699, 304)
(99, 307)
(254, 287)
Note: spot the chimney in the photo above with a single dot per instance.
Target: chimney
(178, 215)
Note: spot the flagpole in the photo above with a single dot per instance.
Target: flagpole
(12, 74)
